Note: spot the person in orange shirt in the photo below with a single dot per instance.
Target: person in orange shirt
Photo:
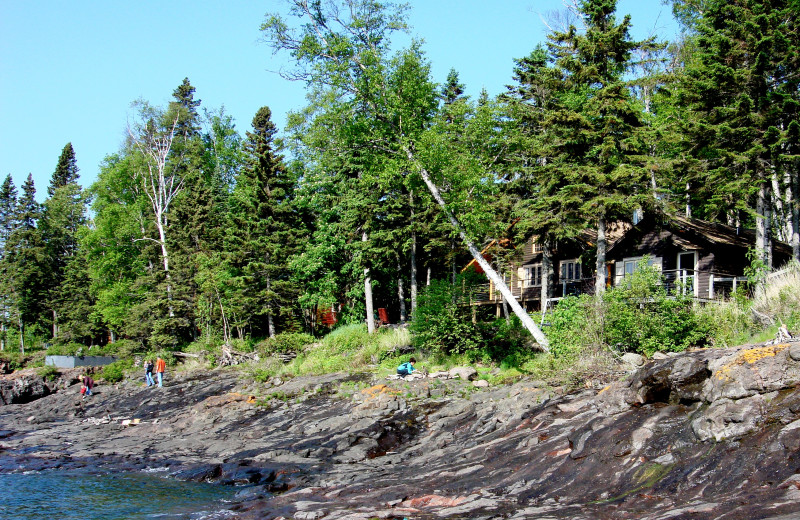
(160, 367)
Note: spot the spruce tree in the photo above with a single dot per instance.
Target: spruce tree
(263, 231)
(741, 87)
(589, 170)
(8, 203)
(63, 215)
(26, 262)
(66, 170)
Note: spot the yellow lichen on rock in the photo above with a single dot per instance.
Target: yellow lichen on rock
(750, 356)
(377, 390)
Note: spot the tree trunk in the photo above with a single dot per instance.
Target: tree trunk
(778, 211)
(546, 267)
(55, 324)
(368, 294)
(401, 293)
(270, 320)
(761, 223)
(602, 245)
(453, 269)
(21, 336)
(793, 202)
(688, 210)
(413, 287)
(476, 254)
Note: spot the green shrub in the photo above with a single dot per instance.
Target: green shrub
(115, 372)
(65, 349)
(122, 348)
(637, 316)
(47, 372)
(442, 324)
(573, 326)
(640, 316)
(13, 360)
(285, 342)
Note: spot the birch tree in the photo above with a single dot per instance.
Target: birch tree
(344, 46)
(152, 136)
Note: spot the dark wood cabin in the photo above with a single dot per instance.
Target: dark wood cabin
(706, 259)
(702, 258)
(571, 270)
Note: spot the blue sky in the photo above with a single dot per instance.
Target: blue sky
(69, 70)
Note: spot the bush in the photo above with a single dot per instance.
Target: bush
(284, 343)
(638, 316)
(442, 325)
(641, 317)
(64, 349)
(574, 325)
(115, 372)
(48, 372)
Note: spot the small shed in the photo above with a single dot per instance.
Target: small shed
(78, 361)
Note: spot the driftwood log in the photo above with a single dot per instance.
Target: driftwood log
(232, 357)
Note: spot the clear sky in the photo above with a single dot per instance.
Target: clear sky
(69, 70)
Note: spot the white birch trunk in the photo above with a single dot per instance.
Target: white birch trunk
(602, 245)
(270, 320)
(761, 223)
(368, 294)
(546, 266)
(401, 295)
(498, 282)
(413, 288)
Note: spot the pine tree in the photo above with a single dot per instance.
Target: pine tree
(66, 170)
(264, 227)
(590, 169)
(26, 262)
(742, 89)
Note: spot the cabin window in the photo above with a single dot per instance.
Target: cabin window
(687, 264)
(533, 276)
(570, 269)
(537, 248)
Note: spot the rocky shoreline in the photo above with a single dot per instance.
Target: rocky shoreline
(708, 434)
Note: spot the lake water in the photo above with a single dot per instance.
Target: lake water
(73, 495)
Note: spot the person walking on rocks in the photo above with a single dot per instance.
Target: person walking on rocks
(88, 383)
(160, 367)
(148, 373)
(406, 368)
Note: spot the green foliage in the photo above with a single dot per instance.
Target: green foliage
(637, 316)
(65, 349)
(728, 322)
(48, 372)
(115, 372)
(442, 324)
(123, 348)
(641, 317)
(573, 326)
(13, 360)
(285, 342)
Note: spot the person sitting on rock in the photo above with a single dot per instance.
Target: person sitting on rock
(406, 368)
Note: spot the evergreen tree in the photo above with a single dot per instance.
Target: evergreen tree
(26, 262)
(590, 168)
(66, 170)
(8, 204)
(263, 231)
(742, 89)
(63, 215)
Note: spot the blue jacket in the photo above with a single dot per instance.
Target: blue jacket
(407, 366)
